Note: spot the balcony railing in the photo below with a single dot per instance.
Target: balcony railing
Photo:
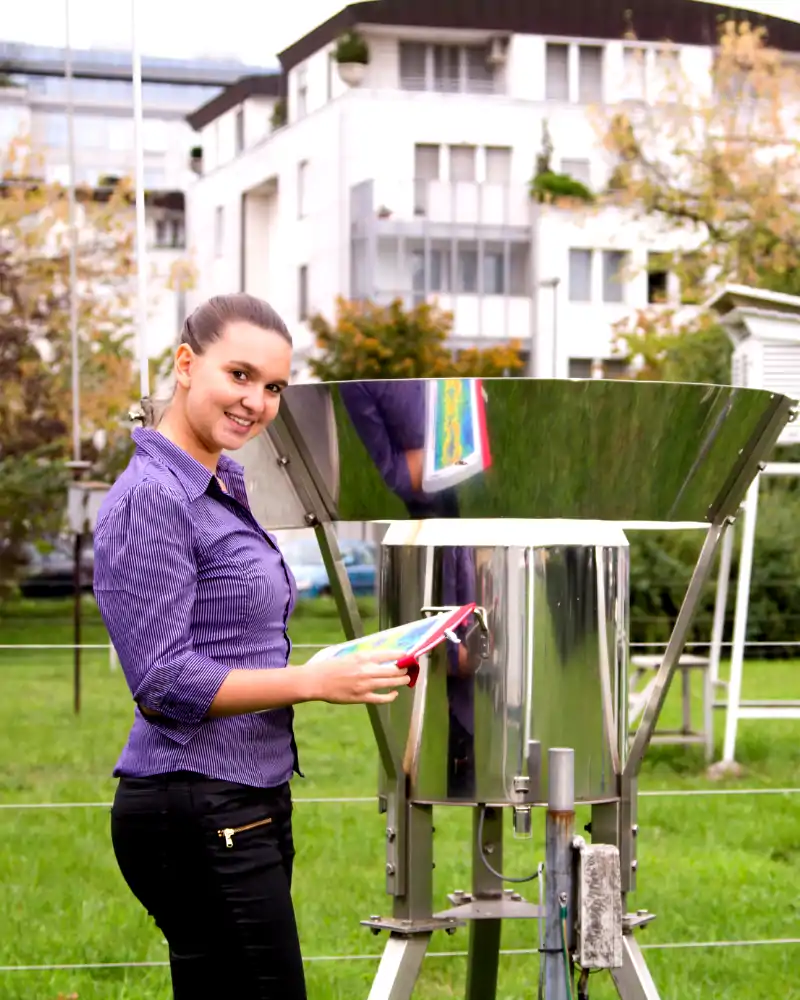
(442, 202)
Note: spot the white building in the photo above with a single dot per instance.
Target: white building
(34, 106)
(416, 182)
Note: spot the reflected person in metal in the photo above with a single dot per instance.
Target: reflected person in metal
(390, 419)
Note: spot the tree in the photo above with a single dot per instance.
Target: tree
(35, 343)
(368, 341)
(719, 163)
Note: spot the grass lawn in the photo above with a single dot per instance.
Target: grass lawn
(712, 868)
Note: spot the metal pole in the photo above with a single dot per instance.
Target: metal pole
(76, 617)
(141, 228)
(556, 282)
(536, 214)
(677, 639)
(73, 245)
(74, 348)
(749, 515)
(559, 904)
(721, 605)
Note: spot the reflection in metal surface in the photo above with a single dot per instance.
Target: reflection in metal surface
(470, 723)
(534, 448)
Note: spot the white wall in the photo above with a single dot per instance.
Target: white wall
(348, 136)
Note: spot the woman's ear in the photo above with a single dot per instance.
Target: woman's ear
(184, 362)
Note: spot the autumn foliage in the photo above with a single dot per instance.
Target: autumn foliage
(35, 343)
(368, 341)
(716, 159)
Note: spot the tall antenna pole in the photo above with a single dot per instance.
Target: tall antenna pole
(73, 246)
(141, 230)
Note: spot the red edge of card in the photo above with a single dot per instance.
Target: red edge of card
(487, 455)
(410, 661)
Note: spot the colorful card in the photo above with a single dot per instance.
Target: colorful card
(413, 640)
(456, 434)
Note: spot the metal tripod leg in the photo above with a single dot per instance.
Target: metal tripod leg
(633, 980)
(483, 963)
(400, 967)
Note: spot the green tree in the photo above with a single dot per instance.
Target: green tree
(35, 344)
(717, 161)
(368, 341)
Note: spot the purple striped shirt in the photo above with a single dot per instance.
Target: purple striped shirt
(190, 587)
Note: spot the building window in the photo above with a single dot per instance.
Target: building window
(467, 270)
(556, 72)
(494, 271)
(590, 73)
(239, 130)
(446, 68)
(178, 233)
(302, 189)
(55, 130)
(462, 163)
(155, 135)
(498, 268)
(426, 162)
(666, 75)
(598, 368)
(634, 74)
(657, 279)
(578, 170)
(302, 292)
(519, 270)
(302, 92)
(155, 178)
(91, 132)
(613, 275)
(580, 275)
(413, 66)
(498, 164)
(219, 230)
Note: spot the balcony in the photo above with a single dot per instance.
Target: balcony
(440, 208)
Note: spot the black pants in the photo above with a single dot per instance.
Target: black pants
(221, 899)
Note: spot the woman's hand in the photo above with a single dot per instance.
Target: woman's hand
(358, 679)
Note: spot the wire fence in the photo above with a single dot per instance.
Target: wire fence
(678, 793)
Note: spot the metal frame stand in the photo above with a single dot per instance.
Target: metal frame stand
(572, 866)
(736, 707)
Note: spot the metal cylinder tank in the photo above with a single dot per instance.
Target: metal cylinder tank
(542, 664)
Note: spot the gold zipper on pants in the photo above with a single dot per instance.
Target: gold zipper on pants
(229, 831)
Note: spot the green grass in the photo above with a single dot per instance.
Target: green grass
(712, 868)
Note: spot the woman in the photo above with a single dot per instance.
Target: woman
(196, 598)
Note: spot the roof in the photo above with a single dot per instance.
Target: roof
(260, 85)
(683, 22)
(102, 64)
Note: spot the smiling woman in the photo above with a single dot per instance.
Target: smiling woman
(196, 597)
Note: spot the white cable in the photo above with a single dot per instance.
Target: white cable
(658, 946)
(676, 793)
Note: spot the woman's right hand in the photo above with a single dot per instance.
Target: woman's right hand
(358, 679)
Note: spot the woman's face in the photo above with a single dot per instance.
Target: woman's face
(233, 389)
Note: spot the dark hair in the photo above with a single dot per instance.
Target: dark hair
(207, 323)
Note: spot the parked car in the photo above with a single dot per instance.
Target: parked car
(305, 560)
(49, 571)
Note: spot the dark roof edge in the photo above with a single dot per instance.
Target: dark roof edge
(685, 22)
(260, 85)
(324, 33)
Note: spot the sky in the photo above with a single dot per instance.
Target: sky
(251, 30)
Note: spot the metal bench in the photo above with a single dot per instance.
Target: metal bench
(637, 699)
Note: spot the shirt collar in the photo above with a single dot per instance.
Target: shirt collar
(191, 474)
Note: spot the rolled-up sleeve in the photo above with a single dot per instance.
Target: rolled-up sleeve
(145, 584)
